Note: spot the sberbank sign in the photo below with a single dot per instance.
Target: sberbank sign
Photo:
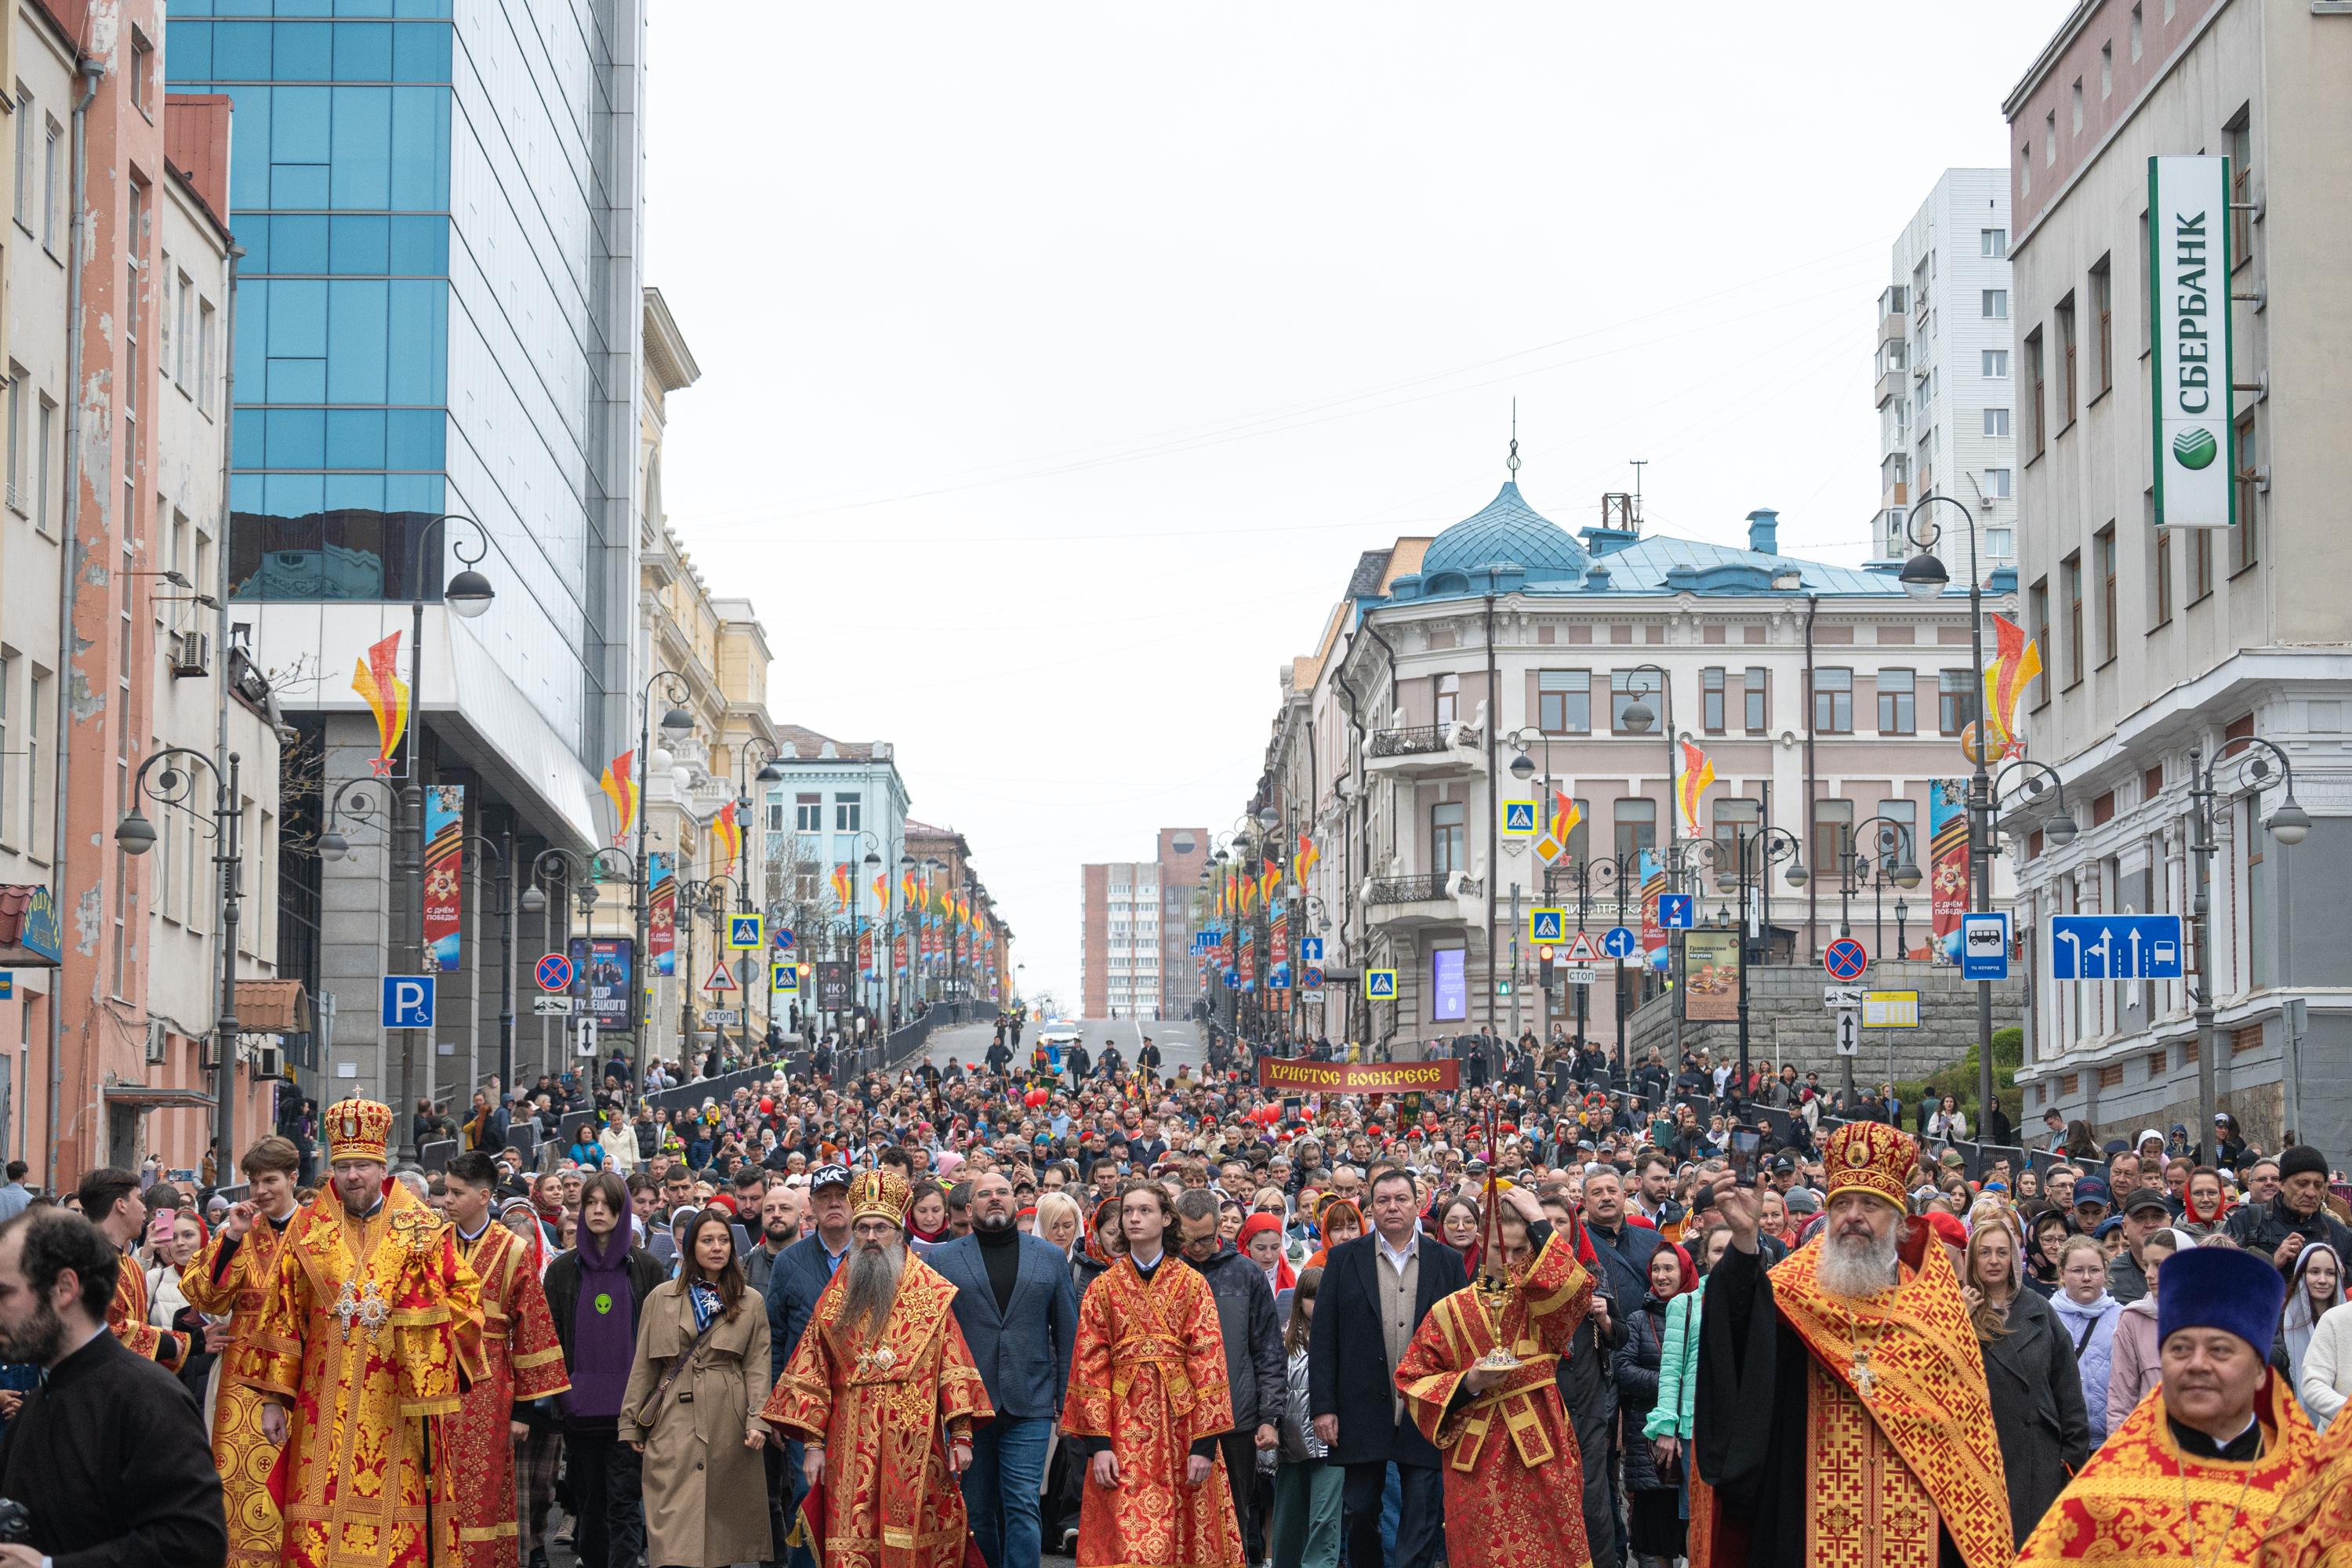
(2189, 309)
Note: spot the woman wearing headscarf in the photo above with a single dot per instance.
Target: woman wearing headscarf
(1341, 1220)
(1260, 1242)
(2315, 1290)
(1655, 1492)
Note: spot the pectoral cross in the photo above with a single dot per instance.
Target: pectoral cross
(367, 1307)
(1864, 1380)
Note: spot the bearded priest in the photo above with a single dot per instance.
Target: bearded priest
(1841, 1418)
(882, 1392)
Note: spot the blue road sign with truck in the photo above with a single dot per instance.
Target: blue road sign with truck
(2115, 947)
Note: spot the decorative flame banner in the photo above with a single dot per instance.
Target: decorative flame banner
(377, 680)
(2016, 660)
(620, 786)
(1564, 815)
(841, 885)
(1697, 773)
(730, 835)
(1304, 862)
(881, 891)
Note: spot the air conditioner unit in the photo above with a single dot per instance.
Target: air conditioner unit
(208, 1051)
(192, 653)
(157, 1034)
(269, 1061)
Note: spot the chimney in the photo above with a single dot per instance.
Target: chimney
(1764, 532)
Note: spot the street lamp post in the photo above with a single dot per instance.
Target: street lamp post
(677, 724)
(1637, 719)
(175, 787)
(1892, 860)
(1608, 871)
(2289, 824)
(504, 856)
(584, 873)
(1755, 853)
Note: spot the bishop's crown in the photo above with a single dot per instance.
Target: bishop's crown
(358, 1129)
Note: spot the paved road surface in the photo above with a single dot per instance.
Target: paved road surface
(1179, 1041)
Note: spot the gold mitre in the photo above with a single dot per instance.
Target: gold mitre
(881, 1192)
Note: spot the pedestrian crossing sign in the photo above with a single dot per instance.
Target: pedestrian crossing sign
(1518, 819)
(1379, 984)
(745, 933)
(783, 976)
(1547, 925)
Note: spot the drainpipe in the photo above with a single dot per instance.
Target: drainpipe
(91, 71)
(1494, 810)
(1813, 884)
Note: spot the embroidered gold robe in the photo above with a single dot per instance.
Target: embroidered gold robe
(1149, 1373)
(370, 1329)
(1514, 1477)
(2313, 1526)
(233, 1278)
(2141, 1501)
(127, 1316)
(524, 1361)
(886, 1407)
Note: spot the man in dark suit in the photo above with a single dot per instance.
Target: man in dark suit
(1019, 1312)
(1376, 1290)
(796, 1278)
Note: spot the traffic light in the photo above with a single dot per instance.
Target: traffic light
(1543, 966)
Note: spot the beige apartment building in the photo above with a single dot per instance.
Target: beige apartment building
(2162, 647)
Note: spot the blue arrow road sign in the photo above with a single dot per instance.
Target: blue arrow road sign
(1620, 943)
(1674, 912)
(1984, 945)
(1310, 948)
(408, 1000)
(2115, 947)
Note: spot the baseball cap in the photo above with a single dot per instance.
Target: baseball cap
(828, 1176)
(2146, 1198)
(2091, 1190)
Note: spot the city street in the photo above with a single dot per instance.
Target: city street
(1179, 1041)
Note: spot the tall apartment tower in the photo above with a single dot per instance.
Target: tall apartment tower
(438, 312)
(1138, 917)
(1947, 375)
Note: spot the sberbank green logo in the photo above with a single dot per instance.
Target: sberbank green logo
(2195, 448)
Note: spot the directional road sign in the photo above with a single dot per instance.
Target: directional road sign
(747, 934)
(1845, 959)
(783, 936)
(1314, 978)
(1849, 1032)
(2115, 947)
(1674, 912)
(1581, 948)
(1619, 941)
(1379, 984)
(554, 972)
(1310, 948)
(1984, 945)
(1547, 925)
(551, 1006)
(784, 976)
(722, 977)
(1518, 819)
(408, 1000)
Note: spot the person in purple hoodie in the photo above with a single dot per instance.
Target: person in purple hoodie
(595, 1293)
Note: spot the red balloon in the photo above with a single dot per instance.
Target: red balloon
(766, 1105)
(1035, 1098)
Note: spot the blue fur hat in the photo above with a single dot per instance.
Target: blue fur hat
(2223, 1287)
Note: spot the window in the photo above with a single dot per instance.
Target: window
(142, 74)
(16, 437)
(2034, 376)
(2103, 301)
(1996, 304)
(1755, 696)
(1710, 699)
(2070, 581)
(1833, 834)
(1997, 484)
(2049, 139)
(2240, 142)
(775, 816)
(2000, 541)
(2107, 71)
(206, 337)
(1564, 701)
(1996, 421)
(45, 423)
(2037, 606)
(1636, 825)
(7, 681)
(53, 152)
(2025, 168)
(2160, 579)
(2103, 552)
(28, 126)
(1905, 843)
(2074, 103)
(1447, 838)
(1993, 242)
(2245, 539)
(1733, 820)
(179, 344)
(808, 812)
(1995, 364)
(1834, 701)
(1625, 687)
(1956, 699)
(847, 809)
(2135, 33)
(1898, 698)
(1449, 697)
(2064, 316)
(2201, 563)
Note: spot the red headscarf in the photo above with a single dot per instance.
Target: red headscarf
(1258, 1225)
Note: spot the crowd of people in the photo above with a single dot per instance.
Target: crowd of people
(1077, 1302)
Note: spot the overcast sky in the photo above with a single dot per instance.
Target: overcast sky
(1059, 360)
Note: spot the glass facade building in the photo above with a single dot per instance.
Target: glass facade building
(437, 312)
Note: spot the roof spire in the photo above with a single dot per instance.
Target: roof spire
(1512, 462)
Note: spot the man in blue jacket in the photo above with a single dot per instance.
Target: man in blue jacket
(1019, 1312)
(796, 1278)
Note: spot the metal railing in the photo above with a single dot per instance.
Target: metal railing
(1413, 741)
(1409, 890)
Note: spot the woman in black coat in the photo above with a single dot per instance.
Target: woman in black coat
(2036, 1392)
(1655, 1501)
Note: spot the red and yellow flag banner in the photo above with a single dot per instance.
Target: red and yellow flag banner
(728, 833)
(620, 786)
(841, 885)
(881, 890)
(1308, 855)
(377, 680)
(1697, 775)
(2015, 661)
(1564, 815)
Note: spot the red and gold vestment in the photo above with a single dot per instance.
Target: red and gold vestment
(370, 1331)
(885, 1406)
(127, 1316)
(2141, 1501)
(524, 1363)
(1514, 1478)
(1149, 1373)
(231, 1278)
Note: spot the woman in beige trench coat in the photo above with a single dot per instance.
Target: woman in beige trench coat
(705, 1487)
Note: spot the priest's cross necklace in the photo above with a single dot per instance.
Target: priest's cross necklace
(1866, 1381)
(2189, 1515)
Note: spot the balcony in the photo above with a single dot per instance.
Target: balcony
(1890, 385)
(1408, 889)
(1421, 750)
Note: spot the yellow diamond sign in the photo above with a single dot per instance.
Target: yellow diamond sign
(1548, 850)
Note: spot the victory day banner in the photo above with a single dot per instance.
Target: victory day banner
(661, 923)
(445, 874)
(1352, 1078)
(1947, 864)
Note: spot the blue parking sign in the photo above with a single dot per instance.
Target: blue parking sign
(408, 1000)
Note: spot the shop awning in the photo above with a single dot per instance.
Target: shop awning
(146, 1097)
(272, 1007)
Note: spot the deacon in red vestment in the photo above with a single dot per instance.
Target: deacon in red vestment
(110, 1201)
